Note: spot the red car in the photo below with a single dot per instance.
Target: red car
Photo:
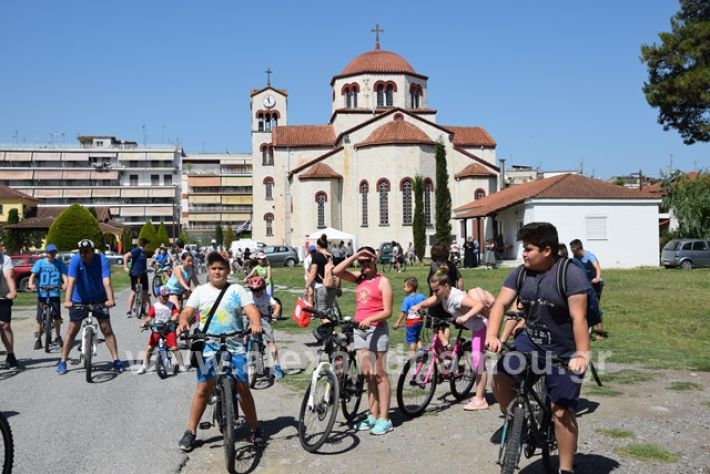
(23, 268)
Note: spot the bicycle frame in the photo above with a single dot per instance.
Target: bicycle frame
(436, 348)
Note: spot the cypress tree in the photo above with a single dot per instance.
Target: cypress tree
(162, 234)
(72, 225)
(148, 233)
(442, 196)
(418, 224)
(219, 234)
(228, 238)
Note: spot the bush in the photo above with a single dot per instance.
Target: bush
(72, 225)
(148, 233)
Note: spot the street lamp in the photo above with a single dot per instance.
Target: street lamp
(176, 196)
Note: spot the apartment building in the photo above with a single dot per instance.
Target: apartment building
(136, 182)
(217, 189)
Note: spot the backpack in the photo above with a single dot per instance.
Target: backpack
(594, 314)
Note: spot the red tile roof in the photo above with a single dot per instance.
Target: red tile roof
(396, 132)
(564, 186)
(303, 135)
(378, 61)
(6, 192)
(474, 170)
(471, 136)
(320, 170)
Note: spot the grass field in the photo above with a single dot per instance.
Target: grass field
(656, 317)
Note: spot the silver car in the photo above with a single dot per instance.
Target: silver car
(280, 255)
(686, 253)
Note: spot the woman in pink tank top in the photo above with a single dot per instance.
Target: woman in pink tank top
(373, 299)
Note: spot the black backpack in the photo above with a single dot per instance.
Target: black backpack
(594, 314)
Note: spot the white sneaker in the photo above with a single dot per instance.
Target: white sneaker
(141, 370)
(182, 368)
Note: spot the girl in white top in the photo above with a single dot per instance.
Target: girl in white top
(470, 310)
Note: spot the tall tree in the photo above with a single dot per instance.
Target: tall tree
(183, 237)
(149, 233)
(689, 200)
(72, 225)
(679, 73)
(13, 238)
(442, 196)
(126, 240)
(228, 237)
(219, 234)
(418, 224)
(162, 234)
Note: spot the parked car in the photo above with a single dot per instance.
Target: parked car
(384, 253)
(686, 253)
(65, 256)
(23, 264)
(113, 257)
(280, 256)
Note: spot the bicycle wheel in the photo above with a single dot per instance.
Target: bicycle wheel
(414, 392)
(7, 449)
(514, 443)
(138, 302)
(87, 352)
(227, 402)
(352, 388)
(162, 364)
(464, 376)
(255, 359)
(315, 422)
(47, 326)
(157, 282)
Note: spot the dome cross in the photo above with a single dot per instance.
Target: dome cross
(377, 30)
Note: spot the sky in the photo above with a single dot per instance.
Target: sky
(556, 83)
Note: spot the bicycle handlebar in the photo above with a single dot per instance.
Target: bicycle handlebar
(89, 306)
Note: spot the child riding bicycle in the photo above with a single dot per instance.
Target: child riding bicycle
(267, 306)
(162, 311)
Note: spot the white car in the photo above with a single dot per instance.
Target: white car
(113, 257)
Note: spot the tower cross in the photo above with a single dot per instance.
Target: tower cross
(268, 76)
(377, 30)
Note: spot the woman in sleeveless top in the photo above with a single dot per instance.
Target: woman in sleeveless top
(183, 275)
(373, 299)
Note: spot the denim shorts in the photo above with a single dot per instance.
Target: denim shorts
(374, 339)
(79, 314)
(209, 360)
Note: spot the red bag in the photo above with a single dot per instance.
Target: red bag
(302, 318)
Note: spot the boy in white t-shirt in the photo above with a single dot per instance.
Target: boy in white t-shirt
(267, 306)
(162, 311)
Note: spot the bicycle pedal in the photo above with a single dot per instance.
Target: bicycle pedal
(205, 425)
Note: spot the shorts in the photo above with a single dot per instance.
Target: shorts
(170, 340)
(374, 339)
(561, 385)
(267, 332)
(413, 333)
(5, 311)
(324, 297)
(144, 281)
(55, 303)
(79, 314)
(239, 364)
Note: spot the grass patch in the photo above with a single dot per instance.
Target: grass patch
(681, 386)
(615, 433)
(706, 404)
(647, 452)
(627, 376)
(603, 391)
(297, 382)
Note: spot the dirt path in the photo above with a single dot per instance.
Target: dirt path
(448, 439)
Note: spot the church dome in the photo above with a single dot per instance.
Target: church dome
(378, 61)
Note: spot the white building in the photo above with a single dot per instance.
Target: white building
(355, 173)
(618, 225)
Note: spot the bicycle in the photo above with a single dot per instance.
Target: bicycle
(159, 278)
(7, 449)
(334, 380)
(137, 309)
(164, 361)
(88, 347)
(528, 426)
(224, 401)
(48, 311)
(256, 367)
(423, 372)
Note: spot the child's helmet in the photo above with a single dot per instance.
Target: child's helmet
(164, 291)
(256, 283)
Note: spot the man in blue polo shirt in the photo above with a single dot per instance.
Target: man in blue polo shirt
(89, 282)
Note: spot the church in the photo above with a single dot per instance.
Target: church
(356, 172)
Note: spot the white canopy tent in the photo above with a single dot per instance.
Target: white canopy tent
(335, 236)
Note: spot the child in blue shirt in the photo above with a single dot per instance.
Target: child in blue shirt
(52, 275)
(413, 319)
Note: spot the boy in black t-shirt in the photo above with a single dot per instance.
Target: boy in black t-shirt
(553, 327)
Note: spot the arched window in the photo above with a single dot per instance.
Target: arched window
(364, 189)
(380, 89)
(415, 94)
(260, 119)
(428, 187)
(383, 188)
(267, 154)
(269, 188)
(389, 95)
(407, 201)
(269, 220)
(321, 199)
(479, 194)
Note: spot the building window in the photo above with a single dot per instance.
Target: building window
(389, 95)
(380, 89)
(260, 120)
(269, 220)
(427, 201)
(155, 180)
(267, 154)
(350, 92)
(168, 179)
(415, 94)
(479, 194)
(407, 202)
(133, 180)
(383, 188)
(363, 202)
(321, 199)
(596, 227)
(269, 188)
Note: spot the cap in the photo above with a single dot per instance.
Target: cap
(164, 291)
(85, 244)
(51, 248)
(162, 246)
(311, 248)
(260, 255)
(213, 241)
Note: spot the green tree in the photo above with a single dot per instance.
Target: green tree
(148, 233)
(619, 181)
(126, 239)
(183, 237)
(13, 237)
(418, 224)
(228, 238)
(92, 210)
(442, 196)
(219, 234)
(679, 73)
(72, 225)
(689, 200)
(162, 234)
